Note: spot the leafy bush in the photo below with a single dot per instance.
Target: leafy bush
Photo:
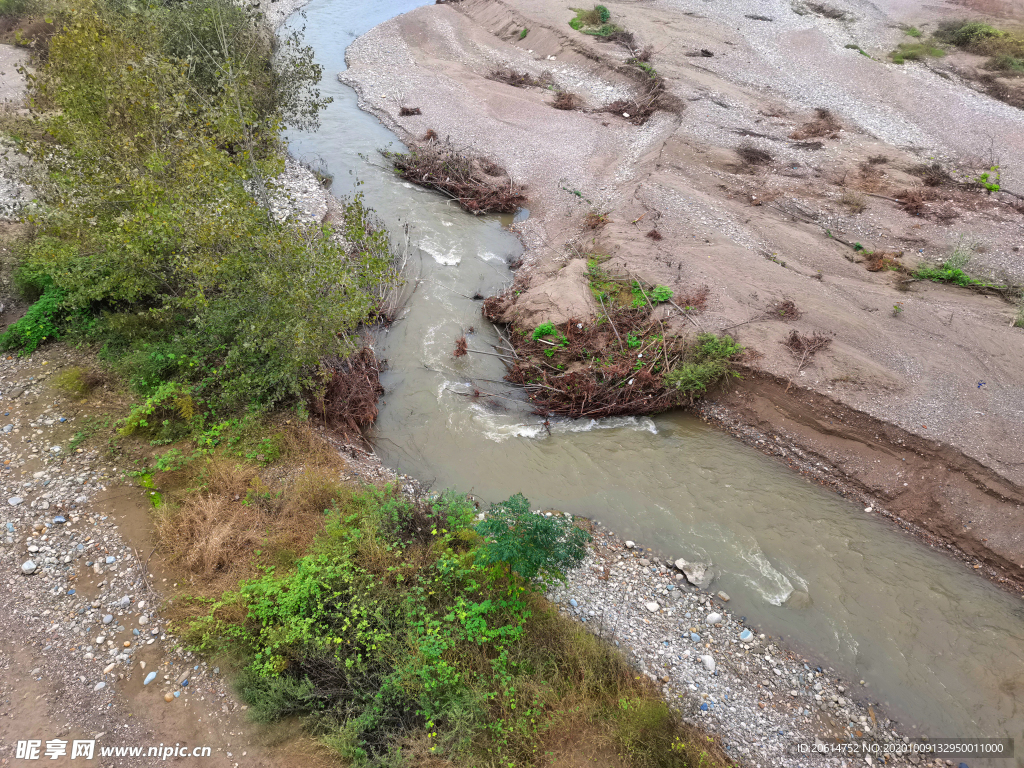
(169, 243)
(594, 22)
(532, 546)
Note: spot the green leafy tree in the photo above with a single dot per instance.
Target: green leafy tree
(532, 546)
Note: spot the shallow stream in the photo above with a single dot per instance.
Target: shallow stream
(942, 649)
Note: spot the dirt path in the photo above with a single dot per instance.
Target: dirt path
(935, 364)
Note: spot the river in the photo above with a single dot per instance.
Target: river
(940, 648)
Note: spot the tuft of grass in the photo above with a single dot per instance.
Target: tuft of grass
(912, 32)
(77, 382)
(915, 52)
(1019, 320)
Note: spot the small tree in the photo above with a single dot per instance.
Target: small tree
(531, 545)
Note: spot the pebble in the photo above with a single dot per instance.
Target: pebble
(28, 567)
(652, 607)
(15, 500)
(109, 559)
(168, 697)
(746, 636)
(99, 686)
(149, 678)
(713, 618)
(107, 619)
(723, 597)
(630, 544)
(709, 663)
(107, 669)
(143, 619)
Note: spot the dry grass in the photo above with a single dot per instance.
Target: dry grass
(596, 220)
(806, 347)
(234, 518)
(824, 125)
(409, 111)
(853, 201)
(78, 382)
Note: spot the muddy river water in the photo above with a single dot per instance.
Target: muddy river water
(942, 650)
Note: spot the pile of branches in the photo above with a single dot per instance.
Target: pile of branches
(478, 185)
(346, 401)
(631, 385)
(805, 347)
(518, 79)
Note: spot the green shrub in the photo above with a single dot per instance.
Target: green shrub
(525, 31)
(707, 364)
(965, 34)
(594, 21)
(532, 546)
(169, 244)
(912, 31)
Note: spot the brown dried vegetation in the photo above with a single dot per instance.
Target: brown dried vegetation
(346, 400)
(824, 125)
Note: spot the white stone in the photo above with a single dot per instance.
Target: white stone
(713, 618)
(709, 663)
(652, 607)
(630, 544)
(28, 567)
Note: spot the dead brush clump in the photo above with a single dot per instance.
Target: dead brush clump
(455, 173)
(346, 398)
(566, 101)
(430, 135)
(461, 347)
(915, 200)
(517, 79)
(879, 261)
(824, 125)
(805, 347)
(785, 310)
(595, 220)
(932, 174)
(409, 111)
(654, 235)
(752, 156)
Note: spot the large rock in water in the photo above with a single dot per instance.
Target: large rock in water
(696, 573)
(564, 296)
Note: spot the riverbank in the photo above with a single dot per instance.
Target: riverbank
(932, 363)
